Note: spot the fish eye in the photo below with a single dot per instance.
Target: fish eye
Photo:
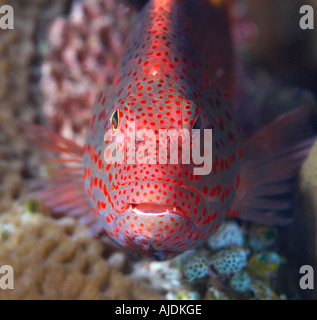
(197, 123)
(114, 120)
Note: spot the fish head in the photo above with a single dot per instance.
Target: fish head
(156, 202)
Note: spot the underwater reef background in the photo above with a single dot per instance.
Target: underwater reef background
(59, 55)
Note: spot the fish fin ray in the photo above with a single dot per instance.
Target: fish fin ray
(62, 190)
(271, 159)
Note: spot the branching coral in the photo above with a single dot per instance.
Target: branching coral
(57, 260)
(83, 55)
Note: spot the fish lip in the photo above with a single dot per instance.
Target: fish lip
(154, 209)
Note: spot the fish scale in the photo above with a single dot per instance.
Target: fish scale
(176, 75)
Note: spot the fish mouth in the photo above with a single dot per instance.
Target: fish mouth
(158, 230)
(154, 209)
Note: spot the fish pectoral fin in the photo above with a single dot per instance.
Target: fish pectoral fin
(62, 189)
(271, 159)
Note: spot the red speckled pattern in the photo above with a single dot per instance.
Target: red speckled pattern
(177, 67)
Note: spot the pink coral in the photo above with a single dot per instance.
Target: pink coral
(84, 52)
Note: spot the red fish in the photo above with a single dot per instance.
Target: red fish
(176, 74)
